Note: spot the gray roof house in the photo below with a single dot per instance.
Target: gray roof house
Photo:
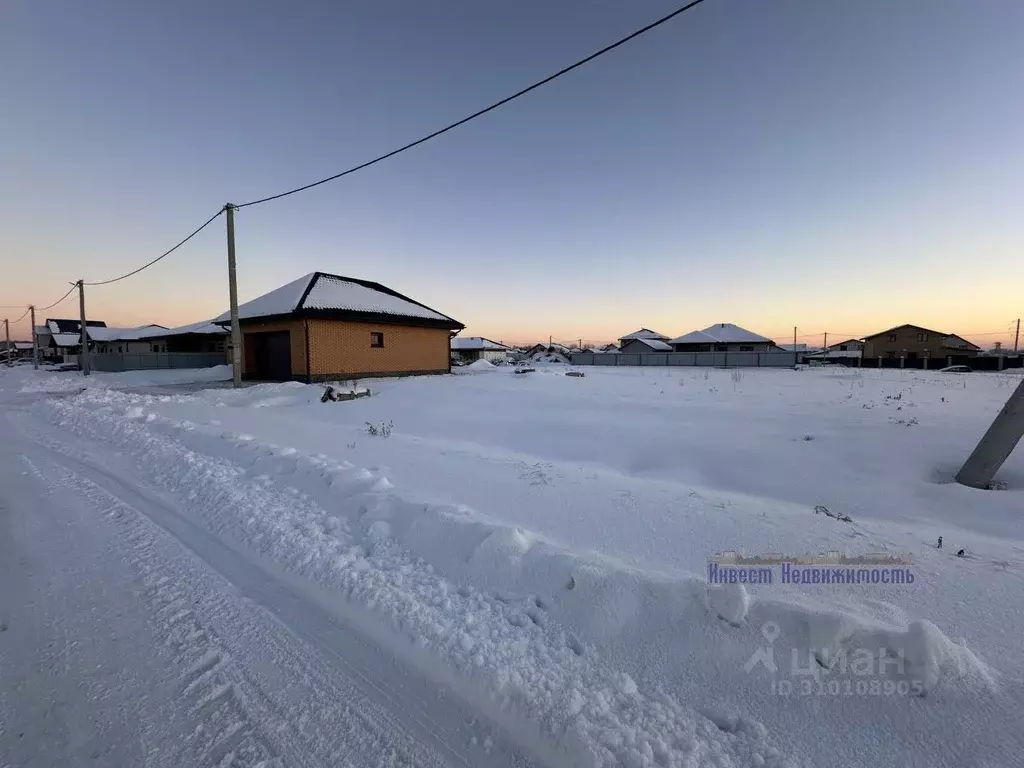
(722, 337)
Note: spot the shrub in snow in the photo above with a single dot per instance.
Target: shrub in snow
(379, 430)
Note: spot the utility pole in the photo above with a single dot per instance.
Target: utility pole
(996, 445)
(1016, 339)
(794, 347)
(35, 339)
(236, 329)
(7, 333)
(825, 343)
(84, 364)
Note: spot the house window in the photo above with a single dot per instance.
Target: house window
(842, 348)
(376, 339)
(922, 336)
(721, 347)
(892, 337)
(746, 348)
(890, 354)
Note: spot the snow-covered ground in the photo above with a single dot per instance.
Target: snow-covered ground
(536, 546)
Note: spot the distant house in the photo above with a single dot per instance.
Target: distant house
(643, 333)
(644, 346)
(547, 349)
(915, 341)
(65, 337)
(107, 340)
(722, 337)
(323, 327)
(205, 336)
(472, 348)
(850, 345)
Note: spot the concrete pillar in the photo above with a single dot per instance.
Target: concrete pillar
(996, 445)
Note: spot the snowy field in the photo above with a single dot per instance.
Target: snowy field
(533, 551)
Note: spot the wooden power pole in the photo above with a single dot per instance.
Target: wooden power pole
(35, 338)
(236, 329)
(794, 348)
(84, 364)
(1016, 339)
(7, 333)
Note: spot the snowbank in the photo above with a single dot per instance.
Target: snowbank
(70, 381)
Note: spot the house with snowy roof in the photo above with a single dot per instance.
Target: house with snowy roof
(643, 333)
(722, 337)
(471, 348)
(204, 336)
(643, 345)
(323, 327)
(64, 337)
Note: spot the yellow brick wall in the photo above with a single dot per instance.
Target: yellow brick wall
(343, 347)
(297, 330)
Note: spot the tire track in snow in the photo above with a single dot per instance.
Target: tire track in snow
(525, 676)
(305, 699)
(224, 733)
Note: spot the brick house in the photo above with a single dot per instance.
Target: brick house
(914, 341)
(323, 327)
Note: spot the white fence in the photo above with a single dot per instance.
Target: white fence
(710, 359)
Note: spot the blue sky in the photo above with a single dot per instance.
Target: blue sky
(841, 167)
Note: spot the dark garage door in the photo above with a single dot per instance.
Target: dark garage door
(272, 356)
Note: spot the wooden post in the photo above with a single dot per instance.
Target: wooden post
(7, 333)
(35, 339)
(794, 347)
(84, 357)
(996, 445)
(236, 329)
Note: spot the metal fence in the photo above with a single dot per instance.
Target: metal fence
(711, 359)
(787, 359)
(113, 362)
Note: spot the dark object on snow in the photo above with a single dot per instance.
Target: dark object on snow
(822, 510)
(578, 374)
(338, 397)
(940, 543)
(572, 583)
(524, 370)
(961, 554)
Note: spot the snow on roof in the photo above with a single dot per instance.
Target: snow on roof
(330, 292)
(656, 344)
(67, 339)
(279, 301)
(465, 343)
(321, 291)
(72, 326)
(721, 333)
(203, 327)
(23, 344)
(644, 333)
(121, 334)
(41, 329)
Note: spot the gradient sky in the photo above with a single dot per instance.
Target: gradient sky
(838, 166)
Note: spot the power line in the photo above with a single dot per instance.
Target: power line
(22, 315)
(483, 111)
(164, 254)
(58, 301)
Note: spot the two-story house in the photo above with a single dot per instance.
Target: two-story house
(914, 341)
